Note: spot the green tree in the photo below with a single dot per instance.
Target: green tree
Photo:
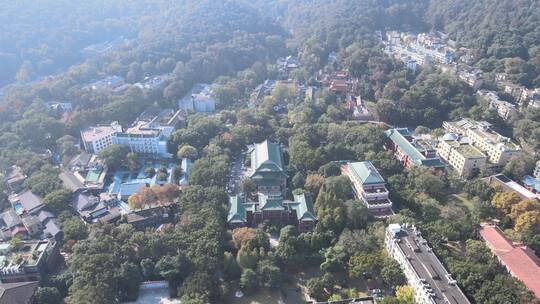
(74, 229)
(58, 201)
(391, 273)
(364, 262)
(248, 280)
(132, 162)
(47, 295)
(334, 259)
(187, 151)
(114, 156)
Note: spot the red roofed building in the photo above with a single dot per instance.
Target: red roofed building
(519, 260)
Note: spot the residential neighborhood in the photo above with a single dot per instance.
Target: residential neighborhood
(270, 152)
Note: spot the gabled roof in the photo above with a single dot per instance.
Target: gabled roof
(70, 181)
(519, 260)
(83, 201)
(17, 293)
(398, 137)
(270, 203)
(366, 173)
(10, 218)
(304, 207)
(43, 215)
(30, 201)
(267, 156)
(237, 210)
(51, 228)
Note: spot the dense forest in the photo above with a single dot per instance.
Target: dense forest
(235, 44)
(504, 34)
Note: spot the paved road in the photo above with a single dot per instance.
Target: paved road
(236, 174)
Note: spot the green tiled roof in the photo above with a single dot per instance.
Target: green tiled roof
(267, 157)
(270, 203)
(366, 173)
(397, 136)
(237, 210)
(433, 163)
(304, 207)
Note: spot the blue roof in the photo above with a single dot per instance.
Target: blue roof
(531, 182)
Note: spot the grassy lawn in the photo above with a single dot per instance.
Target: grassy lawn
(461, 199)
(293, 289)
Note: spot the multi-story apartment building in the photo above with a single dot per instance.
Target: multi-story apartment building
(412, 151)
(424, 272)
(268, 168)
(298, 212)
(200, 99)
(496, 147)
(537, 170)
(505, 109)
(28, 261)
(147, 135)
(98, 138)
(369, 187)
(463, 157)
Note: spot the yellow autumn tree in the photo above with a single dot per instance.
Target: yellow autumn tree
(135, 202)
(504, 201)
(314, 183)
(524, 206)
(405, 294)
(528, 221)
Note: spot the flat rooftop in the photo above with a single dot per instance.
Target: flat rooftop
(470, 151)
(426, 265)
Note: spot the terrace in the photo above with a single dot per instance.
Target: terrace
(469, 151)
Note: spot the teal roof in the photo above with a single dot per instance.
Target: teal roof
(397, 136)
(304, 207)
(433, 163)
(237, 210)
(270, 203)
(267, 157)
(366, 173)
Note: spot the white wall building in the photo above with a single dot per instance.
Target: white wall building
(147, 135)
(537, 170)
(424, 272)
(98, 138)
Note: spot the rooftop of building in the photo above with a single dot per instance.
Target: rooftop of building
(426, 265)
(366, 173)
(96, 132)
(302, 205)
(469, 151)
(531, 182)
(519, 260)
(17, 293)
(510, 185)
(485, 131)
(26, 202)
(267, 156)
(27, 253)
(399, 136)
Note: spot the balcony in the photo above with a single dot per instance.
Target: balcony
(375, 193)
(379, 204)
